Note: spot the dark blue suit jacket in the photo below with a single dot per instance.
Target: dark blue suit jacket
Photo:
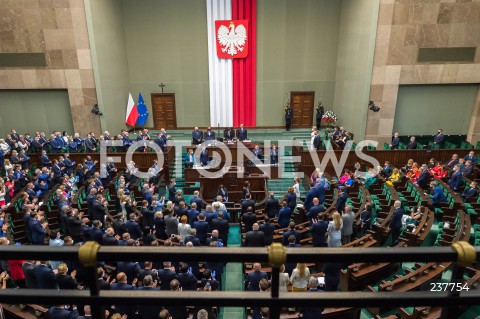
(341, 201)
(422, 180)
(37, 231)
(287, 234)
(318, 231)
(130, 268)
(242, 134)
(149, 312)
(46, 278)
(314, 211)
(204, 158)
(311, 194)
(438, 196)
(133, 228)
(284, 217)
(396, 222)
(61, 313)
(253, 279)
(312, 313)
(455, 181)
(128, 310)
(202, 230)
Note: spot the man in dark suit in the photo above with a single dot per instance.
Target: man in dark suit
(312, 312)
(284, 215)
(242, 133)
(99, 207)
(228, 134)
(46, 278)
(201, 226)
(109, 238)
(257, 152)
(470, 192)
(412, 145)
(395, 142)
(467, 168)
(122, 284)
(387, 170)
(396, 222)
(147, 271)
(318, 230)
(193, 238)
(288, 117)
(28, 268)
(44, 160)
(253, 278)
(130, 268)
(60, 312)
(289, 232)
(453, 161)
(196, 199)
(272, 207)
(149, 312)
(133, 228)
(255, 237)
(455, 182)
(74, 224)
(166, 275)
(197, 136)
(160, 141)
(341, 200)
(209, 135)
(424, 177)
(248, 202)
(102, 283)
(439, 138)
(96, 232)
(204, 157)
(222, 226)
(316, 209)
(187, 280)
(248, 219)
(311, 194)
(471, 157)
(119, 226)
(37, 229)
(317, 141)
(172, 191)
(268, 229)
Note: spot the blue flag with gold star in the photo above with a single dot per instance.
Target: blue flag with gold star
(142, 111)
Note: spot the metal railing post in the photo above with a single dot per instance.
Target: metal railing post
(466, 256)
(277, 255)
(87, 255)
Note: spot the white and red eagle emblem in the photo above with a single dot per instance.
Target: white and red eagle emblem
(231, 38)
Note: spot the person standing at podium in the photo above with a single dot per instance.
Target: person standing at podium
(242, 133)
(209, 135)
(197, 136)
(190, 159)
(204, 159)
(229, 134)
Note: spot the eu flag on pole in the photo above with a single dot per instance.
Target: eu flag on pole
(142, 111)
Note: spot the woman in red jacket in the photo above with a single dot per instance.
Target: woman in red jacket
(16, 272)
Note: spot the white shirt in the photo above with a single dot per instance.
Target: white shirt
(296, 190)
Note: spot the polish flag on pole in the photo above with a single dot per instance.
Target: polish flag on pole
(132, 112)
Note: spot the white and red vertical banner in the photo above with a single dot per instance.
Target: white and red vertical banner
(232, 61)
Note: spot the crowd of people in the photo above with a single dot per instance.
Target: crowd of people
(115, 216)
(62, 142)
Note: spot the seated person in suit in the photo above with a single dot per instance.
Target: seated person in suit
(472, 157)
(470, 191)
(190, 159)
